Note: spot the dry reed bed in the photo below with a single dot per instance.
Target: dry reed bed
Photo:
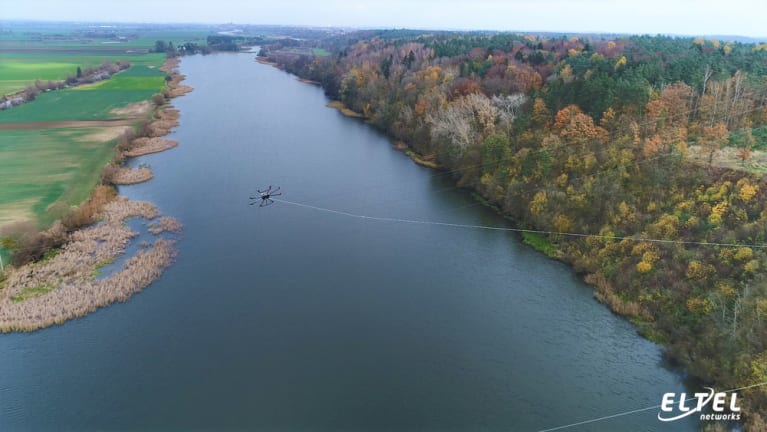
(145, 146)
(170, 65)
(168, 113)
(160, 128)
(176, 88)
(180, 90)
(165, 224)
(128, 176)
(71, 273)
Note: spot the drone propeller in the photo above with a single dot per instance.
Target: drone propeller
(264, 199)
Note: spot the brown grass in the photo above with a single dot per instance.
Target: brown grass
(427, 161)
(165, 224)
(128, 176)
(344, 109)
(170, 65)
(728, 158)
(106, 134)
(605, 294)
(70, 273)
(144, 146)
(17, 211)
(138, 109)
(160, 127)
(71, 289)
(87, 212)
(168, 113)
(265, 61)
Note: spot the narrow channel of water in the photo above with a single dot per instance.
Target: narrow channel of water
(284, 318)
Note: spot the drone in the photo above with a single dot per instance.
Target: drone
(265, 196)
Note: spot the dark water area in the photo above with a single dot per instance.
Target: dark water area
(287, 318)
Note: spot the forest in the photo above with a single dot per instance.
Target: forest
(648, 145)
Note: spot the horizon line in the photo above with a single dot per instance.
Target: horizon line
(358, 28)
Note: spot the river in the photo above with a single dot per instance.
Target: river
(290, 318)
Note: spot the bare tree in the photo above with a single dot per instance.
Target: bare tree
(462, 123)
(508, 108)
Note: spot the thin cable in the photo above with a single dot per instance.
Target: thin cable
(520, 230)
(637, 410)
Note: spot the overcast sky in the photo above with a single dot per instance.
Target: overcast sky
(690, 17)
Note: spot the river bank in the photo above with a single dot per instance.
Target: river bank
(280, 318)
(65, 284)
(650, 315)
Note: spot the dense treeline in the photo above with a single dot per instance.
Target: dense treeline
(616, 138)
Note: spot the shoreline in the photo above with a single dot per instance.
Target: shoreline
(602, 290)
(65, 284)
(343, 109)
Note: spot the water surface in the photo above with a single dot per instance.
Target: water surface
(286, 318)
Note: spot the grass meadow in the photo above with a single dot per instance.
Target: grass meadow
(90, 102)
(42, 166)
(18, 70)
(57, 163)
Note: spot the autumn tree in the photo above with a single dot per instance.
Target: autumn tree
(462, 123)
(714, 137)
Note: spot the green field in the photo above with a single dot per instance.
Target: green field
(39, 167)
(50, 52)
(18, 70)
(43, 166)
(90, 102)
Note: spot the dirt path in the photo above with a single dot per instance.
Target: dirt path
(66, 124)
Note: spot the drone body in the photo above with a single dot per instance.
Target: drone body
(264, 197)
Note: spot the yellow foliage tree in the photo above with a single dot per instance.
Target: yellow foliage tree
(540, 112)
(621, 62)
(538, 204)
(748, 191)
(643, 267)
(717, 213)
(744, 253)
(751, 266)
(699, 305)
(699, 271)
(562, 223)
(566, 73)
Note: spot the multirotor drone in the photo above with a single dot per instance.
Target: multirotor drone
(265, 197)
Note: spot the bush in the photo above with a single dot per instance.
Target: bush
(124, 140)
(31, 246)
(108, 173)
(86, 214)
